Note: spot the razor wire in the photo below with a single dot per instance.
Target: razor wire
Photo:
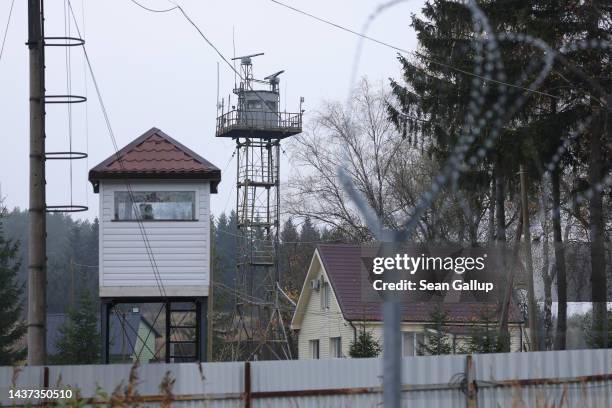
(489, 65)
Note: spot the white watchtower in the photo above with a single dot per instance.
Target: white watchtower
(155, 237)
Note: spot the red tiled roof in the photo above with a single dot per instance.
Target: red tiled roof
(155, 155)
(342, 262)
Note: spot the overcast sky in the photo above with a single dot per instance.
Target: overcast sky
(155, 70)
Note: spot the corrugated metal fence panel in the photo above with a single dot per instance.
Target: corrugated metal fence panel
(562, 366)
(315, 374)
(344, 375)
(224, 381)
(434, 381)
(440, 374)
(20, 378)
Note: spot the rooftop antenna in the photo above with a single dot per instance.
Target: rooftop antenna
(247, 71)
(273, 79)
(234, 57)
(247, 58)
(218, 102)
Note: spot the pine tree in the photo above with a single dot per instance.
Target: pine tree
(79, 341)
(309, 237)
(225, 244)
(594, 335)
(486, 338)
(365, 345)
(288, 260)
(436, 341)
(433, 93)
(12, 327)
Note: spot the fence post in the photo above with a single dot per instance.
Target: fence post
(470, 379)
(44, 402)
(247, 384)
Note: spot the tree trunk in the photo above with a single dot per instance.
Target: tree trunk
(491, 226)
(596, 232)
(500, 211)
(547, 276)
(560, 339)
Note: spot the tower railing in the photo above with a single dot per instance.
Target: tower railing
(258, 120)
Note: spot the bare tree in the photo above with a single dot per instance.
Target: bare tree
(360, 135)
(391, 173)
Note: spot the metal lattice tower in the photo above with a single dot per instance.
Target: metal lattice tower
(256, 124)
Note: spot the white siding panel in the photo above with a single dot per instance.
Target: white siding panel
(148, 269)
(155, 237)
(164, 255)
(180, 249)
(157, 261)
(173, 245)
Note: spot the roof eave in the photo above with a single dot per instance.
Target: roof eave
(298, 314)
(214, 177)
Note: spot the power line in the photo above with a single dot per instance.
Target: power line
(120, 160)
(85, 86)
(335, 241)
(144, 235)
(153, 10)
(8, 23)
(68, 61)
(210, 43)
(404, 51)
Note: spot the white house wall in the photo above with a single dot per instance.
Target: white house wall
(180, 249)
(323, 324)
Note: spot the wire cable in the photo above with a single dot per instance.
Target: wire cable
(8, 23)
(143, 232)
(154, 10)
(404, 51)
(335, 241)
(210, 43)
(144, 235)
(68, 55)
(85, 86)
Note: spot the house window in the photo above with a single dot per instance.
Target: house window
(411, 342)
(335, 347)
(155, 205)
(314, 349)
(325, 295)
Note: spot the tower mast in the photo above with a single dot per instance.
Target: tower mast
(257, 330)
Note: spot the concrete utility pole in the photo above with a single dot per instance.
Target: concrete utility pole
(37, 272)
(533, 329)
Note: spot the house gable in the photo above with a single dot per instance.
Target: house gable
(319, 321)
(304, 304)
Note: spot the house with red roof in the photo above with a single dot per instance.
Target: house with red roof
(333, 308)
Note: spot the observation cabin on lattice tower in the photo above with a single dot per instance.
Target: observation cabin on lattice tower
(257, 125)
(257, 113)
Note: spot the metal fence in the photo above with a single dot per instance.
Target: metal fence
(581, 378)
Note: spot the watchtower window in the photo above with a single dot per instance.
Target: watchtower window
(254, 105)
(155, 206)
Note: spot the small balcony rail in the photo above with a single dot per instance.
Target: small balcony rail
(262, 124)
